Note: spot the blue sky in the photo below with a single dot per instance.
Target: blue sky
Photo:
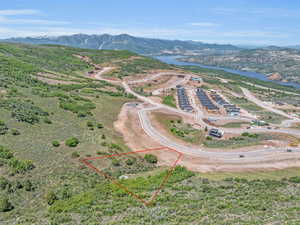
(254, 22)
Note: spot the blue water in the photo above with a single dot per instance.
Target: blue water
(173, 60)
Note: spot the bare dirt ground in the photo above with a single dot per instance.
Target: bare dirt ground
(156, 99)
(155, 83)
(221, 122)
(3, 91)
(128, 125)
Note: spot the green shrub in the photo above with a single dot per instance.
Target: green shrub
(3, 128)
(150, 158)
(209, 138)
(72, 142)
(245, 134)
(130, 161)
(5, 205)
(50, 198)
(48, 121)
(3, 183)
(20, 166)
(28, 185)
(5, 153)
(169, 100)
(295, 180)
(18, 185)
(253, 135)
(100, 126)
(90, 124)
(103, 143)
(82, 114)
(115, 146)
(55, 143)
(75, 155)
(115, 162)
(23, 111)
(15, 132)
(77, 106)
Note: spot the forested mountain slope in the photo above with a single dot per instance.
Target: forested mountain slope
(125, 42)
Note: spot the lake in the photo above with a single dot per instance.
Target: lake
(173, 60)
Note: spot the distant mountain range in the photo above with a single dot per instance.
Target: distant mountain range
(127, 42)
(295, 46)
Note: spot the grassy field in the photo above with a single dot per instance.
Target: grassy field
(169, 100)
(179, 129)
(262, 114)
(234, 124)
(271, 175)
(247, 139)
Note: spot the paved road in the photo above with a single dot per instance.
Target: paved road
(253, 156)
(264, 105)
(267, 88)
(104, 70)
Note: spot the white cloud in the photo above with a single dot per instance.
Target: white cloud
(203, 24)
(261, 12)
(254, 34)
(5, 20)
(201, 30)
(16, 12)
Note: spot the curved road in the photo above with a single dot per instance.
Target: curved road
(254, 156)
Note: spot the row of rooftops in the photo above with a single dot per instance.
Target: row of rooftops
(230, 108)
(183, 99)
(205, 100)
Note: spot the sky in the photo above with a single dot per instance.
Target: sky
(240, 22)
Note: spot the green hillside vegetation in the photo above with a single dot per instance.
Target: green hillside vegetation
(169, 100)
(283, 61)
(47, 129)
(176, 127)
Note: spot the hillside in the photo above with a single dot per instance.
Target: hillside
(294, 46)
(281, 64)
(53, 115)
(126, 42)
